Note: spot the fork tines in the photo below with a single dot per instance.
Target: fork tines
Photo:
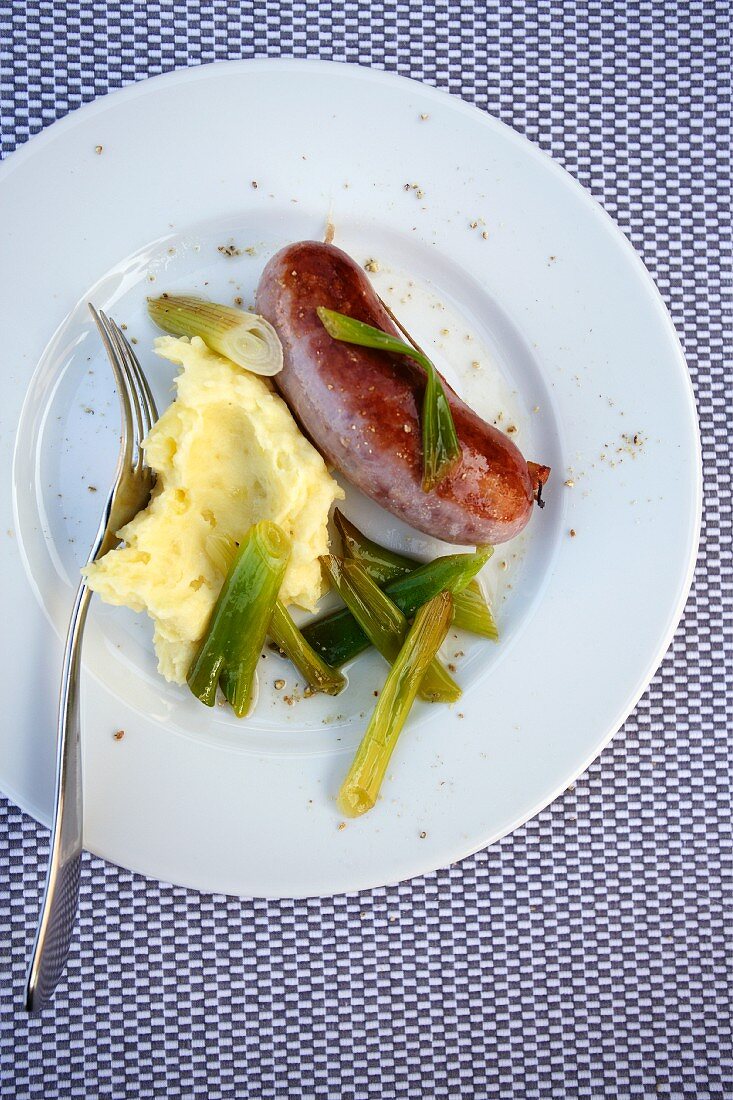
(130, 379)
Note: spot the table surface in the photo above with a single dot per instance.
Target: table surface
(584, 955)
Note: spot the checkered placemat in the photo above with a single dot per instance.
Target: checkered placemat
(584, 955)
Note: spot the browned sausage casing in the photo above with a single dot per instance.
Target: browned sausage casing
(361, 407)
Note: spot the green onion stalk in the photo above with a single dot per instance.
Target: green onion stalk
(384, 624)
(339, 638)
(282, 629)
(471, 610)
(318, 674)
(246, 338)
(440, 446)
(230, 649)
(361, 786)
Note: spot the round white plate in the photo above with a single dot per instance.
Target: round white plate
(477, 234)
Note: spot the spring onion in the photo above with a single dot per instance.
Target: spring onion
(384, 624)
(360, 789)
(471, 611)
(338, 637)
(318, 675)
(230, 649)
(287, 637)
(246, 338)
(441, 449)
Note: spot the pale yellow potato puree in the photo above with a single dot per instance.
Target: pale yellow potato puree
(227, 453)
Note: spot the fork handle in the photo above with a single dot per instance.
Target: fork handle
(61, 894)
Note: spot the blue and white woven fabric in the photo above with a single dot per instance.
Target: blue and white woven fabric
(583, 956)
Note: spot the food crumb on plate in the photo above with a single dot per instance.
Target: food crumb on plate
(99, 149)
(572, 532)
(423, 834)
(118, 735)
(341, 825)
(372, 265)
(279, 685)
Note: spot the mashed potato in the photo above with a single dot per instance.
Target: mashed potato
(227, 453)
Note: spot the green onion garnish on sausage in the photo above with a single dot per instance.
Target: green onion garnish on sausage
(440, 446)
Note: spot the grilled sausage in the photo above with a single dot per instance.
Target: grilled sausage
(362, 407)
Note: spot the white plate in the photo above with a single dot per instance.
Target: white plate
(567, 322)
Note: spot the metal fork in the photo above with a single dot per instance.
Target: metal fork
(130, 493)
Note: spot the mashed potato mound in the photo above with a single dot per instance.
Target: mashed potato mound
(227, 453)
